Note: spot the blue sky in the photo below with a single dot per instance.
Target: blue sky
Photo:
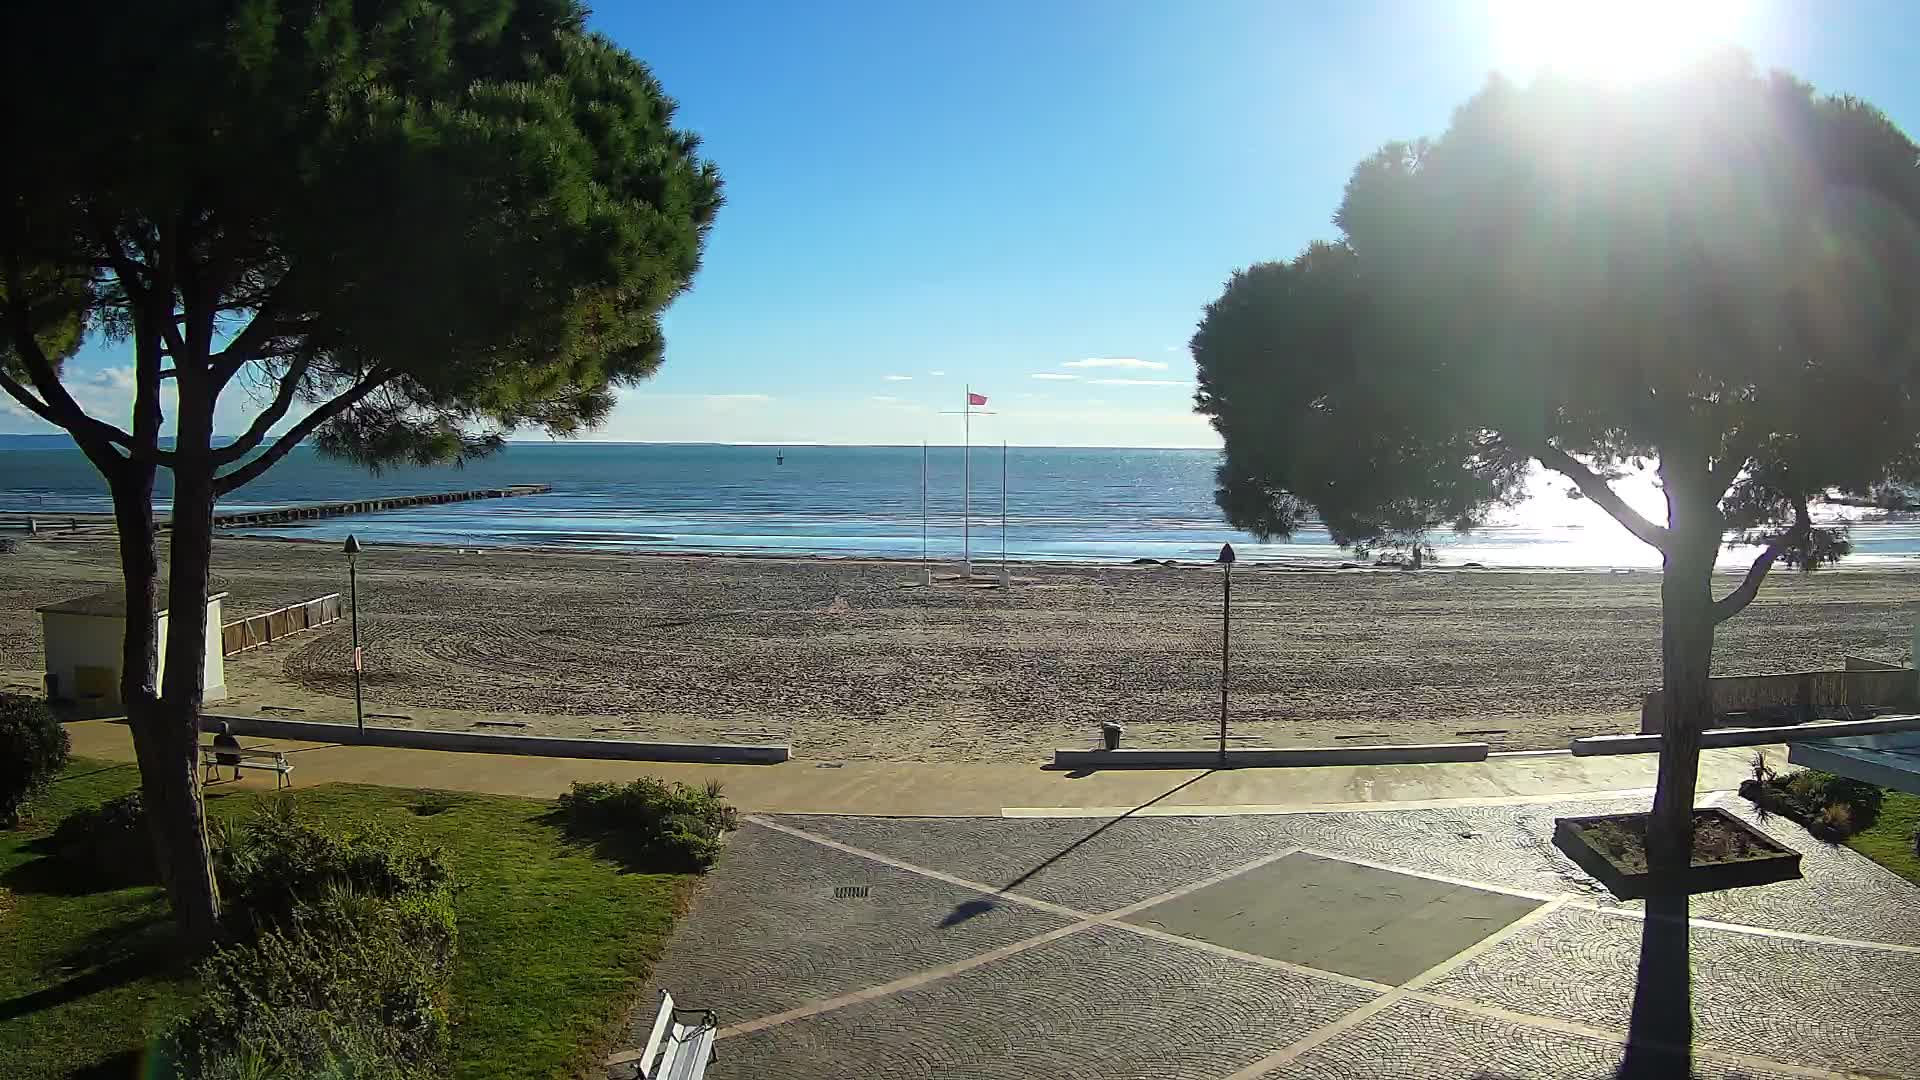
(922, 196)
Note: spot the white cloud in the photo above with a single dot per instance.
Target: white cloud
(1173, 348)
(1137, 382)
(937, 374)
(897, 378)
(883, 397)
(1127, 362)
(1053, 376)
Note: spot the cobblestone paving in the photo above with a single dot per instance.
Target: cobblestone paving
(1098, 1004)
(766, 935)
(1789, 1001)
(1413, 1040)
(1096, 863)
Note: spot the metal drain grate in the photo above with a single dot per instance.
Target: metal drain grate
(851, 892)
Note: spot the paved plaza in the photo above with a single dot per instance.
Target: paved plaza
(1443, 942)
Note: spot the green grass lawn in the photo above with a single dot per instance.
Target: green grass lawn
(1890, 841)
(554, 941)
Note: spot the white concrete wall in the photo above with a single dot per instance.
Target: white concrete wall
(214, 674)
(73, 641)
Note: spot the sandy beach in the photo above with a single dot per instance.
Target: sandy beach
(851, 660)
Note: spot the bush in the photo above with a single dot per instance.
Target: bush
(274, 863)
(109, 842)
(658, 826)
(33, 749)
(345, 949)
(341, 989)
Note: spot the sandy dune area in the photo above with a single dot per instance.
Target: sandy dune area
(852, 660)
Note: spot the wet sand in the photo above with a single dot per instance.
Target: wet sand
(853, 660)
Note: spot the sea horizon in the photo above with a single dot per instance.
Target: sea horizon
(1063, 504)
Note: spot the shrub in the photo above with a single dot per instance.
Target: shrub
(658, 826)
(1837, 818)
(33, 749)
(109, 841)
(340, 989)
(276, 862)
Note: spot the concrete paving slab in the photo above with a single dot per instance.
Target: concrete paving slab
(1414, 1040)
(1339, 916)
(769, 933)
(1785, 1000)
(1100, 1004)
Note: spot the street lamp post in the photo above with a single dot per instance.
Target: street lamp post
(353, 592)
(1226, 631)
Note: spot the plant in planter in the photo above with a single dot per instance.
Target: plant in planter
(1830, 807)
(1727, 853)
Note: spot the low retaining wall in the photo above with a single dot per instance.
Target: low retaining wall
(1892, 687)
(471, 742)
(1750, 736)
(1269, 756)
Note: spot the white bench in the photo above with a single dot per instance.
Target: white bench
(678, 1049)
(273, 760)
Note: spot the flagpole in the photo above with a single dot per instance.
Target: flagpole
(966, 504)
(926, 572)
(1004, 581)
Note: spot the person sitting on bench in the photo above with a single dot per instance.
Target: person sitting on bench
(224, 740)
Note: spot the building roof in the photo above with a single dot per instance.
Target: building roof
(111, 604)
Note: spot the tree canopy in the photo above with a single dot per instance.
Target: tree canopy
(430, 222)
(403, 229)
(1711, 272)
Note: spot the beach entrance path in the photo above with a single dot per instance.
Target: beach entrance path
(1445, 941)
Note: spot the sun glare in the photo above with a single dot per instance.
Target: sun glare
(1616, 40)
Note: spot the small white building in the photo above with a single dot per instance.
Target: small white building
(83, 640)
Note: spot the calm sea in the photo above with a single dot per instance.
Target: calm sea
(1061, 504)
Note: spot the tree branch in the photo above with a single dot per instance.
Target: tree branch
(245, 347)
(273, 414)
(1736, 601)
(1594, 487)
(59, 407)
(26, 397)
(298, 432)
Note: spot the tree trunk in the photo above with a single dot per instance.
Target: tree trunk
(177, 714)
(166, 748)
(1686, 662)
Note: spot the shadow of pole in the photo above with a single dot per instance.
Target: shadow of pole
(980, 906)
(1660, 1032)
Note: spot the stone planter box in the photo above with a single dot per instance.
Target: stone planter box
(1728, 853)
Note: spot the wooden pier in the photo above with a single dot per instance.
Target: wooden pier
(287, 515)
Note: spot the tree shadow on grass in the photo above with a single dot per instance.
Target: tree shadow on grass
(632, 854)
(50, 875)
(121, 1066)
(107, 957)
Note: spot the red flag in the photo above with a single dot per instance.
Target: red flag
(976, 399)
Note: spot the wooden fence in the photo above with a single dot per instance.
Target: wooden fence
(258, 630)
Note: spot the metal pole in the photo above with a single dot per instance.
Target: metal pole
(966, 505)
(353, 590)
(1226, 631)
(926, 572)
(1003, 515)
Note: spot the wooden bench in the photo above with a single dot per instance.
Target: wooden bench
(273, 760)
(681, 1045)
